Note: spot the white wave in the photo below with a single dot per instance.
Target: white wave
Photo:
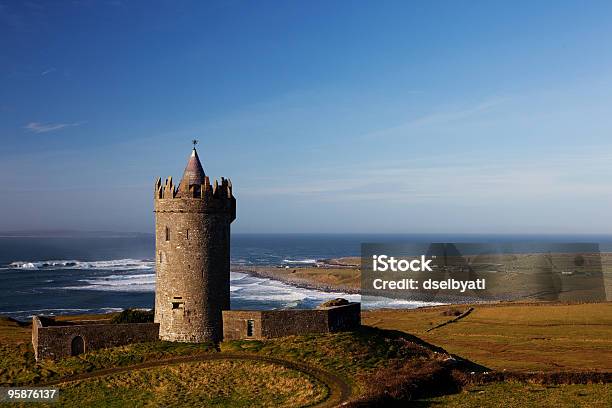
(242, 287)
(147, 277)
(23, 265)
(110, 309)
(300, 261)
(234, 276)
(28, 314)
(118, 283)
(250, 288)
(115, 288)
(379, 302)
(123, 264)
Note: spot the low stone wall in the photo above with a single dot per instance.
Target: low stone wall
(235, 324)
(54, 341)
(342, 318)
(267, 324)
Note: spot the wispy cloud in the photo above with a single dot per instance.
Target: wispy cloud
(37, 127)
(48, 71)
(484, 180)
(440, 118)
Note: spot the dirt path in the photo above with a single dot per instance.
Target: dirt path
(339, 389)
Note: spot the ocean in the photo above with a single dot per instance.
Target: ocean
(96, 274)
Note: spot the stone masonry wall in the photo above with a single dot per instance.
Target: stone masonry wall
(235, 324)
(192, 265)
(279, 323)
(344, 317)
(55, 342)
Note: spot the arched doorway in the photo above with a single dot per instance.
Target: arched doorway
(78, 346)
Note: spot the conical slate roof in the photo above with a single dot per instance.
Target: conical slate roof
(194, 173)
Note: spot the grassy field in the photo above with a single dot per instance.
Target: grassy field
(346, 353)
(210, 384)
(516, 337)
(351, 355)
(520, 395)
(18, 366)
(391, 360)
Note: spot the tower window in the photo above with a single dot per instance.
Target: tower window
(167, 233)
(160, 257)
(188, 234)
(250, 327)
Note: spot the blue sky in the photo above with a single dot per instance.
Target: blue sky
(330, 116)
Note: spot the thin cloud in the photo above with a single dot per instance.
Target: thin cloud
(488, 180)
(37, 127)
(48, 71)
(438, 119)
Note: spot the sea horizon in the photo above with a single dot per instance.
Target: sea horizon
(98, 273)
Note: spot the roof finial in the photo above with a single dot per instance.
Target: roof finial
(195, 142)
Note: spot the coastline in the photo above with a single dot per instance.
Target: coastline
(343, 275)
(303, 283)
(337, 275)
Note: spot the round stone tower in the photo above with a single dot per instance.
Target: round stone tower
(192, 242)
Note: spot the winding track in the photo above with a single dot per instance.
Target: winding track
(339, 389)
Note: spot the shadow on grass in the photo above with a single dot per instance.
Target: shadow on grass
(19, 323)
(463, 363)
(405, 382)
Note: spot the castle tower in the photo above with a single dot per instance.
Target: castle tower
(192, 242)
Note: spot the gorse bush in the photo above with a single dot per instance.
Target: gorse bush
(334, 302)
(134, 316)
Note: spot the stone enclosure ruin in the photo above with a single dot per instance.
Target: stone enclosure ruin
(267, 324)
(52, 339)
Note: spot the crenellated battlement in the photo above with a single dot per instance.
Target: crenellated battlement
(202, 198)
(202, 191)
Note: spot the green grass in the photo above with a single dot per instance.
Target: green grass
(18, 366)
(346, 353)
(520, 395)
(352, 355)
(516, 337)
(210, 384)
